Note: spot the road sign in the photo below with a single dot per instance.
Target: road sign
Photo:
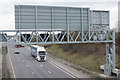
(49, 17)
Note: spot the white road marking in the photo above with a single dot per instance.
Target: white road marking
(41, 65)
(23, 61)
(49, 72)
(61, 69)
(32, 72)
(27, 65)
(12, 65)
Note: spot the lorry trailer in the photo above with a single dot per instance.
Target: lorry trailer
(39, 53)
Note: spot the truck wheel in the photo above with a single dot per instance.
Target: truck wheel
(36, 58)
(32, 55)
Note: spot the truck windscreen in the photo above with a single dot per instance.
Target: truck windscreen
(42, 52)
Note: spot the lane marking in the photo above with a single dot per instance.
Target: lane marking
(27, 65)
(49, 72)
(11, 64)
(61, 69)
(23, 61)
(32, 72)
(41, 65)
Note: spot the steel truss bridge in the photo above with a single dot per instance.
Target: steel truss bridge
(54, 36)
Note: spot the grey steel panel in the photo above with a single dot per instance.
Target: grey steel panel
(26, 20)
(44, 26)
(27, 7)
(28, 17)
(60, 27)
(99, 18)
(44, 14)
(27, 27)
(59, 24)
(60, 18)
(44, 23)
(44, 10)
(59, 21)
(75, 15)
(28, 23)
(74, 10)
(57, 9)
(74, 18)
(46, 19)
(75, 27)
(27, 10)
(59, 14)
(85, 15)
(27, 13)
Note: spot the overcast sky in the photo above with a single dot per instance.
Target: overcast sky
(7, 9)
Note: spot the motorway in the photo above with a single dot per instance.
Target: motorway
(25, 66)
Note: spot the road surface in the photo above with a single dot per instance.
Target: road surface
(25, 66)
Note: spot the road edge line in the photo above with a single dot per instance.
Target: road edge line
(61, 69)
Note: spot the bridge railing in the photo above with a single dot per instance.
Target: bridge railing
(59, 36)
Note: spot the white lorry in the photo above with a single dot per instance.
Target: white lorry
(38, 52)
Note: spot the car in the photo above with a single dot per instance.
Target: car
(17, 52)
(22, 45)
(17, 46)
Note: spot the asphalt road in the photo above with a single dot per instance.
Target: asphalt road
(25, 66)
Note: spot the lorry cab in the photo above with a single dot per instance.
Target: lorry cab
(41, 54)
(38, 52)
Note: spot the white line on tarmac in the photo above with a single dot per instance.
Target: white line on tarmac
(41, 65)
(61, 69)
(32, 72)
(27, 65)
(23, 61)
(49, 72)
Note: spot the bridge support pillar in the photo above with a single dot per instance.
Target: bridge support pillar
(110, 56)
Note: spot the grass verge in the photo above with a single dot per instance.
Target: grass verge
(5, 70)
(90, 61)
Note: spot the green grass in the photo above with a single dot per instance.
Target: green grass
(5, 70)
(89, 61)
